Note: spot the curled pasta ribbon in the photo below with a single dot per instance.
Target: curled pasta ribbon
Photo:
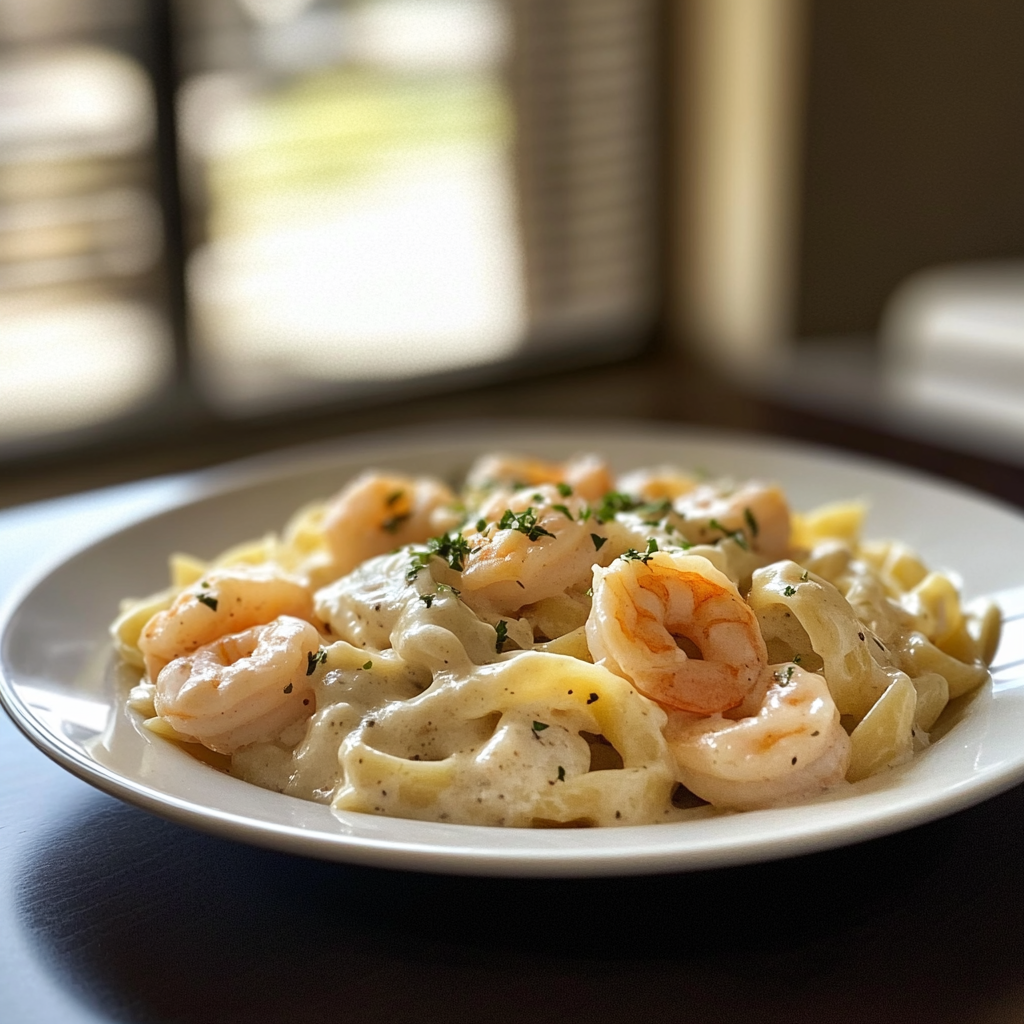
(126, 629)
(935, 603)
(919, 656)
(885, 736)
(303, 548)
(967, 637)
(514, 756)
(802, 615)
(378, 606)
(898, 567)
(840, 520)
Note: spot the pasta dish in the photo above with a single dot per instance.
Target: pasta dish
(552, 645)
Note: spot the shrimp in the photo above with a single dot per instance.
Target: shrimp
(242, 688)
(656, 484)
(222, 602)
(756, 514)
(641, 605)
(792, 748)
(540, 547)
(379, 512)
(587, 475)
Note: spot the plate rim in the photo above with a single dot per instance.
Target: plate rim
(663, 857)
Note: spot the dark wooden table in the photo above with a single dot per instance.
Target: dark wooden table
(110, 914)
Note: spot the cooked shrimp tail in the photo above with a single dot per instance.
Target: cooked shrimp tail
(587, 476)
(224, 601)
(792, 748)
(378, 512)
(241, 688)
(679, 630)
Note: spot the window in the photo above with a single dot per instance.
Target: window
(234, 207)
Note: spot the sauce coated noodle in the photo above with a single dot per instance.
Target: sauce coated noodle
(552, 645)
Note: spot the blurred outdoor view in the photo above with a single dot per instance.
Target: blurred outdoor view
(246, 205)
(353, 200)
(223, 209)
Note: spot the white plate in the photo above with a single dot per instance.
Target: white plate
(62, 686)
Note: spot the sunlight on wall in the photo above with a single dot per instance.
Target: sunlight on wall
(413, 273)
(79, 364)
(361, 222)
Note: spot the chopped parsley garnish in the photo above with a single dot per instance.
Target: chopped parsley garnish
(393, 497)
(803, 579)
(656, 509)
(314, 658)
(420, 560)
(393, 523)
(599, 541)
(561, 774)
(613, 502)
(564, 489)
(539, 726)
(368, 666)
(796, 659)
(208, 599)
(563, 509)
(788, 591)
(751, 521)
(441, 590)
(632, 555)
(481, 525)
(501, 629)
(452, 547)
(288, 688)
(524, 522)
(736, 535)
